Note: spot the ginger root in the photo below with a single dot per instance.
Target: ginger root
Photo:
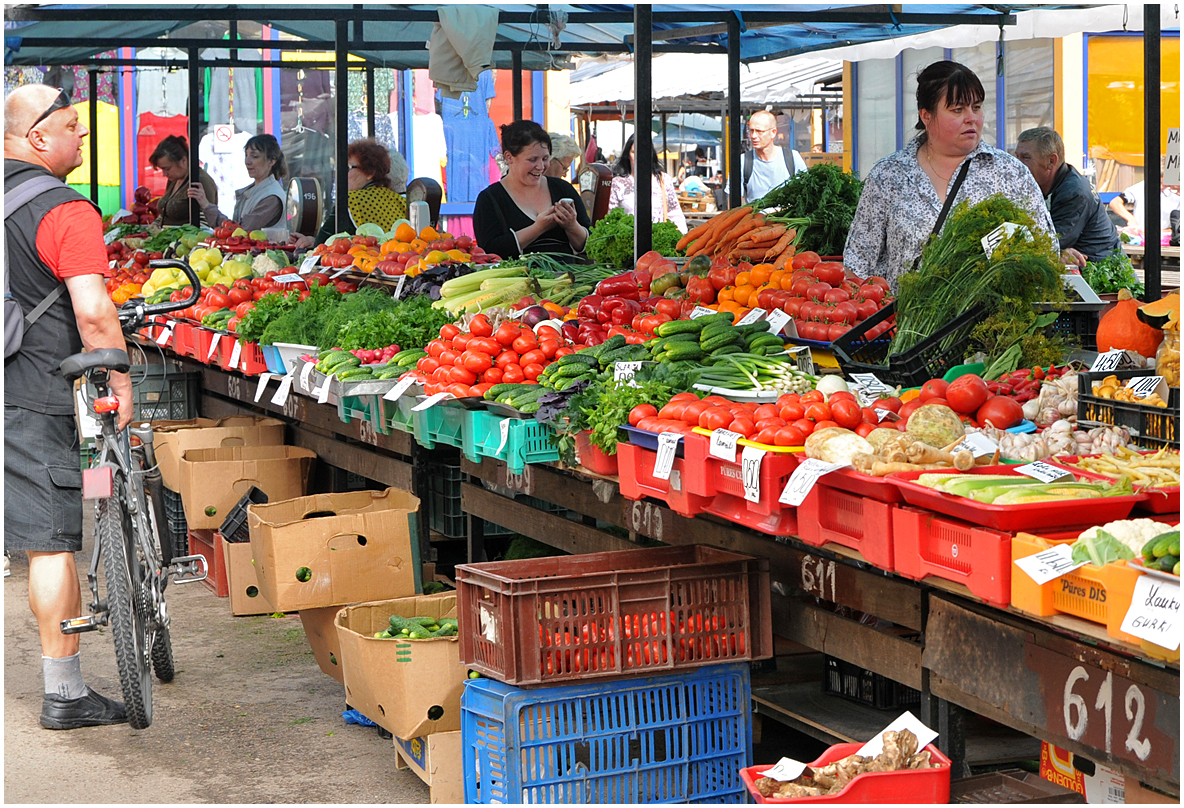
(900, 752)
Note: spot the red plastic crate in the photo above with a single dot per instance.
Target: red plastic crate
(916, 786)
(926, 544)
(250, 359)
(551, 620)
(635, 466)
(830, 516)
(723, 482)
(591, 458)
(1165, 499)
(851, 481)
(205, 338)
(184, 339)
(208, 544)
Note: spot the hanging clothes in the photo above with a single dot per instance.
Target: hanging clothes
(159, 90)
(471, 140)
(153, 129)
(237, 87)
(461, 47)
(227, 168)
(306, 98)
(384, 130)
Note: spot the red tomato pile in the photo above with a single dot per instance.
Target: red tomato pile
(824, 303)
(469, 363)
(971, 398)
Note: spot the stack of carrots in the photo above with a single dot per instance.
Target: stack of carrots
(743, 234)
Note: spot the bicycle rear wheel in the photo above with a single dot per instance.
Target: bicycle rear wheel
(127, 612)
(162, 655)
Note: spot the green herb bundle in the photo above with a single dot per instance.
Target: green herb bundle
(267, 310)
(826, 196)
(610, 240)
(1112, 274)
(411, 323)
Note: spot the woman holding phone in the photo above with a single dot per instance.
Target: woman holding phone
(260, 204)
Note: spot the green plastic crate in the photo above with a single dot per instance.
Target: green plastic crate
(439, 425)
(527, 441)
(366, 407)
(396, 414)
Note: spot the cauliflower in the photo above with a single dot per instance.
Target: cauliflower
(1134, 533)
(263, 264)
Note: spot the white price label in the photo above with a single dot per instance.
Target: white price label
(235, 354)
(723, 444)
(290, 277)
(992, 240)
(871, 383)
(625, 371)
(264, 378)
(281, 395)
(110, 236)
(700, 311)
(907, 720)
(338, 273)
(1154, 614)
(803, 479)
(1144, 386)
(323, 393)
(430, 401)
(309, 263)
(1050, 564)
(786, 770)
(214, 343)
(777, 320)
(305, 375)
(750, 471)
(752, 316)
(1108, 361)
(664, 462)
(1043, 472)
(504, 426)
(397, 392)
(164, 336)
(399, 287)
(804, 359)
(977, 444)
(886, 415)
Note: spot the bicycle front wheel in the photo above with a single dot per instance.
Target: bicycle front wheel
(162, 655)
(126, 611)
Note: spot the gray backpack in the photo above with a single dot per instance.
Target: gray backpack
(16, 322)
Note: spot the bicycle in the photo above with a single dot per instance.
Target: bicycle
(131, 530)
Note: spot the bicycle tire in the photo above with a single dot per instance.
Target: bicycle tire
(125, 611)
(162, 655)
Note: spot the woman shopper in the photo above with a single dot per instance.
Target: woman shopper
(905, 192)
(664, 207)
(528, 211)
(171, 156)
(260, 204)
(377, 191)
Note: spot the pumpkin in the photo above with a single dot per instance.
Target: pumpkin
(1162, 311)
(1121, 328)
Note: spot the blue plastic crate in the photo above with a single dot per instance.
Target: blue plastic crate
(527, 441)
(275, 362)
(679, 738)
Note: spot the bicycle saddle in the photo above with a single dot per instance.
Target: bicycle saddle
(76, 366)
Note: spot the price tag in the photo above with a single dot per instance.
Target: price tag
(1144, 386)
(305, 375)
(164, 336)
(777, 320)
(264, 378)
(750, 471)
(723, 444)
(1154, 614)
(214, 343)
(992, 240)
(868, 388)
(1043, 472)
(504, 426)
(338, 273)
(110, 236)
(786, 770)
(625, 371)
(323, 393)
(290, 277)
(804, 359)
(235, 354)
(1050, 564)
(803, 478)
(1110, 361)
(399, 287)
(977, 444)
(397, 392)
(752, 316)
(281, 395)
(907, 720)
(889, 415)
(430, 401)
(309, 263)
(700, 311)
(664, 462)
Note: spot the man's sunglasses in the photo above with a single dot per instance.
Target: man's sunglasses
(61, 102)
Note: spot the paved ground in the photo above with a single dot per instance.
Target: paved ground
(249, 718)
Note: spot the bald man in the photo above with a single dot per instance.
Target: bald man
(766, 165)
(53, 242)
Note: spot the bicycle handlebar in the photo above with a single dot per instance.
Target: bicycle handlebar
(130, 315)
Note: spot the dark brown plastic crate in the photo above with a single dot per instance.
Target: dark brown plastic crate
(1151, 427)
(550, 620)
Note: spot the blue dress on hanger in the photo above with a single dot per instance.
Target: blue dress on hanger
(471, 140)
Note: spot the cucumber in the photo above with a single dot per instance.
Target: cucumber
(574, 369)
(730, 348)
(355, 374)
(578, 358)
(681, 327)
(680, 351)
(719, 317)
(1163, 544)
(720, 341)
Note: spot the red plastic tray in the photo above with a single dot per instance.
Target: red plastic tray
(878, 488)
(829, 515)
(635, 466)
(591, 458)
(917, 786)
(183, 339)
(1013, 518)
(925, 544)
(1156, 500)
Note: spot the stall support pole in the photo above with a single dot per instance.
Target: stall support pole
(516, 56)
(341, 174)
(370, 101)
(194, 133)
(666, 149)
(421, 485)
(1152, 171)
(92, 86)
(733, 140)
(643, 165)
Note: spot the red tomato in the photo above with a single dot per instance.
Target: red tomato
(238, 295)
(812, 397)
(891, 403)
(824, 425)
(648, 424)
(460, 390)
(792, 412)
(448, 357)
(476, 362)
(461, 341)
(829, 272)
(908, 408)
(940, 401)
(840, 395)
(525, 342)
(532, 370)
(934, 388)
(549, 347)
(462, 375)
(869, 415)
(765, 411)
(715, 418)
(818, 411)
(1003, 412)
(805, 425)
(482, 389)
(485, 345)
(506, 334)
(548, 332)
(673, 410)
(641, 411)
(480, 326)
(512, 374)
(846, 414)
(775, 423)
(217, 300)
(836, 330)
(532, 357)
(506, 358)
(743, 426)
(865, 429)
(805, 260)
(967, 393)
(683, 397)
(492, 376)
(789, 436)
(426, 365)
(788, 398)
(564, 351)
(872, 292)
(241, 309)
(767, 436)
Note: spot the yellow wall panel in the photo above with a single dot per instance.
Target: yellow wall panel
(108, 146)
(1115, 83)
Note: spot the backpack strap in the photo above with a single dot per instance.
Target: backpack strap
(787, 153)
(20, 196)
(748, 158)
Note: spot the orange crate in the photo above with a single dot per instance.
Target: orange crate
(828, 515)
(926, 544)
(208, 544)
(1098, 594)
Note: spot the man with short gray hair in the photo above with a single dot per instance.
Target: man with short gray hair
(1085, 231)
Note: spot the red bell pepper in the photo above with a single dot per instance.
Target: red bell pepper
(591, 333)
(642, 278)
(623, 285)
(624, 313)
(587, 308)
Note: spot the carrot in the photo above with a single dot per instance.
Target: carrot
(695, 232)
(770, 232)
(746, 225)
(786, 239)
(716, 227)
(763, 243)
(783, 260)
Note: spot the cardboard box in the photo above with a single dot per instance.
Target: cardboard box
(321, 632)
(410, 688)
(1139, 794)
(214, 480)
(348, 548)
(1103, 785)
(436, 759)
(171, 439)
(242, 583)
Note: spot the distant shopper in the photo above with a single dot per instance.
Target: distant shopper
(1169, 200)
(664, 207)
(171, 156)
(1080, 219)
(260, 204)
(564, 151)
(766, 165)
(904, 193)
(377, 183)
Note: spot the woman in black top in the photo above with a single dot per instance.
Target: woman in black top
(528, 211)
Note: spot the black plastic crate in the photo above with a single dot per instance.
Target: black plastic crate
(158, 395)
(929, 359)
(178, 527)
(234, 527)
(1078, 325)
(1151, 427)
(861, 685)
(445, 515)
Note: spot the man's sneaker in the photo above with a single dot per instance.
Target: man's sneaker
(92, 710)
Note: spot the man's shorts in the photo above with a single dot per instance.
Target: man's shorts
(42, 482)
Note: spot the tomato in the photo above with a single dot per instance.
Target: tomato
(463, 375)
(812, 397)
(506, 358)
(765, 411)
(485, 345)
(940, 401)
(836, 330)
(789, 436)
(865, 309)
(434, 348)
(934, 388)
(460, 390)
(492, 376)
(715, 418)
(549, 347)
(673, 410)
(461, 342)
(683, 397)
(1003, 412)
(242, 308)
(767, 436)
(693, 410)
(450, 331)
(967, 393)
(872, 292)
(892, 404)
(564, 351)
(846, 414)
(532, 371)
(829, 272)
(865, 429)
(805, 260)
(846, 311)
(525, 342)
(909, 408)
(641, 411)
(648, 424)
(743, 426)
(793, 307)
(218, 300)
(824, 425)
(869, 415)
(817, 291)
(512, 374)
(426, 364)
(448, 357)
(506, 334)
(442, 374)
(792, 412)
(476, 362)
(805, 425)
(818, 411)
(533, 357)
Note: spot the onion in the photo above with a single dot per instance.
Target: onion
(533, 315)
(831, 383)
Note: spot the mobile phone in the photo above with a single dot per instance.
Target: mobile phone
(566, 200)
